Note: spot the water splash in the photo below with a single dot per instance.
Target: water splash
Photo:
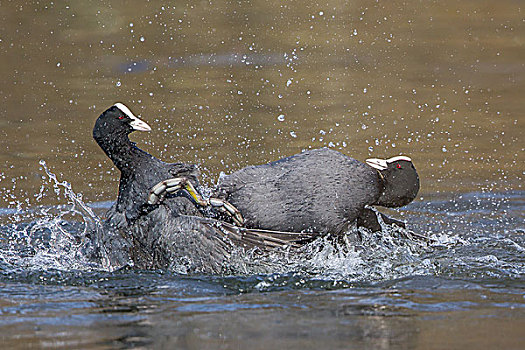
(51, 237)
(396, 253)
(92, 222)
(392, 253)
(64, 237)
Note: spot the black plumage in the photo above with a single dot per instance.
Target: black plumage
(139, 170)
(321, 191)
(173, 234)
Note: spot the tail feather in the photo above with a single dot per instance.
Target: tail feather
(263, 239)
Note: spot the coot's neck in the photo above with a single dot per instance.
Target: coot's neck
(124, 154)
(382, 180)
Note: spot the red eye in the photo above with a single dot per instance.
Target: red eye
(121, 117)
(398, 166)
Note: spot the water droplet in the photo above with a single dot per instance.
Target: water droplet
(293, 134)
(118, 83)
(142, 39)
(280, 118)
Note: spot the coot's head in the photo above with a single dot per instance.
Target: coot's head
(117, 121)
(401, 182)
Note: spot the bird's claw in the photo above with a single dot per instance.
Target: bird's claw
(159, 191)
(227, 208)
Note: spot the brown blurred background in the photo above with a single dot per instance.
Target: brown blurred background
(226, 84)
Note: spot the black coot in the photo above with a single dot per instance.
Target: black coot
(321, 190)
(172, 234)
(139, 170)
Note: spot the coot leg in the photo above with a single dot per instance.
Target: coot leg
(227, 208)
(368, 219)
(159, 191)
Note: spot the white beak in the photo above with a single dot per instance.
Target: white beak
(376, 163)
(138, 124)
(382, 164)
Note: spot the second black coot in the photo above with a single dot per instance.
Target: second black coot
(321, 191)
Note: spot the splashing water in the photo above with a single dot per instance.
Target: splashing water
(392, 253)
(51, 237)
(64, 237)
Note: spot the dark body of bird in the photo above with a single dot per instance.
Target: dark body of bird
(320, 190)
(173, 234)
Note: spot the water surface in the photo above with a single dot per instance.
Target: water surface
(229, 84)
